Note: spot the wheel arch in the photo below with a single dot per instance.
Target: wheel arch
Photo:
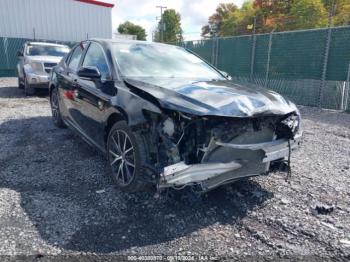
(51, 87)
(111, 120)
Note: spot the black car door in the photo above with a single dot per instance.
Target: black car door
(67, 75)
(92, 95)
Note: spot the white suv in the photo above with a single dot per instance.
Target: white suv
(35, 61)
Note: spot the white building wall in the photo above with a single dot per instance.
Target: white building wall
(65, 20)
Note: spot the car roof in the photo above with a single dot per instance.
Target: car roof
(111, 41)
(45, 43)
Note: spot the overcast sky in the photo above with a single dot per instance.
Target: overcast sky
(194, 13)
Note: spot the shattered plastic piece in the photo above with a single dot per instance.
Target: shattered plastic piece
(323, 209)
(328, 225)
(345, 242)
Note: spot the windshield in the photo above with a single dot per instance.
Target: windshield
(46, 50)
(155, 60)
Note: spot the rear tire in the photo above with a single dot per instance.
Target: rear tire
(126, 157)
(55, 109)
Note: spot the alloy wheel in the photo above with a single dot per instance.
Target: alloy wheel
(122, 157)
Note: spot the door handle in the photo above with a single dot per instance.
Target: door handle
(100, 105)
(75, 89)
(75, 84)
(77, 94)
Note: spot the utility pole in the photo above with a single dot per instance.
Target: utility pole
(161, 35)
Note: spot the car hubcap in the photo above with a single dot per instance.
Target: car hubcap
(54, 105)
(122, 157)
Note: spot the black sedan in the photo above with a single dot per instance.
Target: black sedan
(163, 116)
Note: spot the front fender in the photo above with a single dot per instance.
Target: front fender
(19, 71)
(133, 106)
(52, 82)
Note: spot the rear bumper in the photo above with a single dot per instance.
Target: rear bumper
(210, 175)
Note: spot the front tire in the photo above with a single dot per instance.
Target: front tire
(28, 90)
(55, 109)
(126, 156)
(20, 85)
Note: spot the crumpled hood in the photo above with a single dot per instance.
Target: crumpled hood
(44, 59)
(216, 98)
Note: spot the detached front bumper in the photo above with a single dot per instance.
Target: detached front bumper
(248, 160)
(274, 150)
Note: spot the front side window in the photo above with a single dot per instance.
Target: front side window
(46, 50)
(157, 60)
(95, 57)
(75, 57)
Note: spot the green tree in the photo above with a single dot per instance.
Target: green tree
(169, 27)
(271, 8)
(239, 21)
(272, 14)
(307, 14)
(342, 17)
(341, 12)
(132, 29)
(280, 15)
(215, 21)
(230, 24)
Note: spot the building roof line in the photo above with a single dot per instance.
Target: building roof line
(95, 2)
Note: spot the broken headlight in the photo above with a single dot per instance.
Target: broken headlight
(289, 126)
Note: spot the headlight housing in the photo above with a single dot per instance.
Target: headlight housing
(37, 67)
(289, 126)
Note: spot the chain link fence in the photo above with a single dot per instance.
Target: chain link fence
(8, 53)
(311, 67)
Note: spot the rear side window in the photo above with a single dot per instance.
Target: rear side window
(75, 57)
(95, 57)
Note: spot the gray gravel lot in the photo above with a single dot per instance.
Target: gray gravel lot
(56, 197)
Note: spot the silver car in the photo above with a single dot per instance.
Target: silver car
(35, 61)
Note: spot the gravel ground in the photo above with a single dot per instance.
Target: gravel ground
(56, 198)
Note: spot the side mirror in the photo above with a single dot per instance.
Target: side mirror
(89, 72)
(19, 53)
(226, 75)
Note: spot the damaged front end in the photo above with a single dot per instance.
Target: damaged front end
(211, 150)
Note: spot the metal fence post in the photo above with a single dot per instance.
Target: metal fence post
(252, 58)
(325, 66)
(5, 43)
(347, 90)
(268, 57)
(326, 54)
(216, 52)
(212, 50)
